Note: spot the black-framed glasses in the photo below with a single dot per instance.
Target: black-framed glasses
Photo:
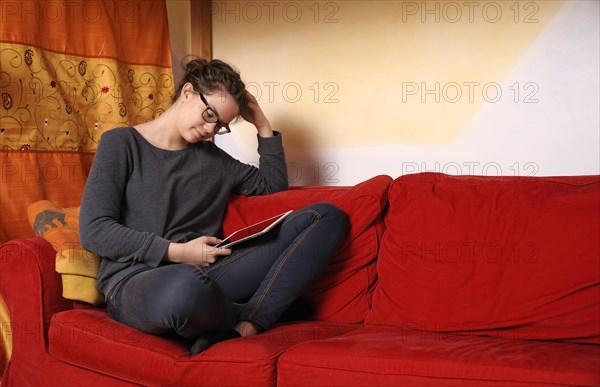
(210, 115)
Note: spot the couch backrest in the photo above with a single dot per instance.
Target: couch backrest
(343, 293)
(502, 256)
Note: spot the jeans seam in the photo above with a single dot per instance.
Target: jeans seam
(264, 293)
(227, 260)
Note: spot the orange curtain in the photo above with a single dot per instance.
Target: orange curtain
(69, 71)
(72, 70)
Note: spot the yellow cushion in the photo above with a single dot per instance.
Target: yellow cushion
(78, 267)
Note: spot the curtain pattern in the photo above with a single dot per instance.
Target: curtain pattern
(70, 71)
(53, 101)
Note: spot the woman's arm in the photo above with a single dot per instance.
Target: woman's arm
(100, 225)
(271, 174)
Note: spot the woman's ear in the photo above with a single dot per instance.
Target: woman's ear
(186, 90)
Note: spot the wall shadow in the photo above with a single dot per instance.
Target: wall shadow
(303, 155)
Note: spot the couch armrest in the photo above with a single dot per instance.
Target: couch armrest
(32, 291)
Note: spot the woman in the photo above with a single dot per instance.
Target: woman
(155, 199)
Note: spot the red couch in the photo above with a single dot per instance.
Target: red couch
(442, 281)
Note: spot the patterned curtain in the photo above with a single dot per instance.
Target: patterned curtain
(69, 71)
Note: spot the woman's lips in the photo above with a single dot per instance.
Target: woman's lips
(198, 133)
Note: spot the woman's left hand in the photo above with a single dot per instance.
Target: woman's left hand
(254, 115)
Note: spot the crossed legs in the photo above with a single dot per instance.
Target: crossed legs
(247, 291)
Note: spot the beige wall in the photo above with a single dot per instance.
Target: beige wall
(178, 12)
(367, 87)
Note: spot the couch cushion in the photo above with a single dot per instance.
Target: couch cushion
(343, 293)
(503, 256)
(89, 338)
(386, 356)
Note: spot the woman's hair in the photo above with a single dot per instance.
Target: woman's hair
(211, 77)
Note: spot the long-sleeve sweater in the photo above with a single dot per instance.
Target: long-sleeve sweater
(138, 198)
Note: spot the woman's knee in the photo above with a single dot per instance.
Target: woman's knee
(192, 293)
(330, 227)
(331, 212)
(197, 305)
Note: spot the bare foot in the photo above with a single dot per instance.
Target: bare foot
(246, 328)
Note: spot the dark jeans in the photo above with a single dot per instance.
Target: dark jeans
(256, 283)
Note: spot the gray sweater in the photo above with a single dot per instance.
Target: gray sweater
(138, 198)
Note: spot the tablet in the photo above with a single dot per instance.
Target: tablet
(252, 231)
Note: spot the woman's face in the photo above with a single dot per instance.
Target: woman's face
(192, 125)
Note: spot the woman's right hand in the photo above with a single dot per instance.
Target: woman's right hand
(253, 114)
(200, 251)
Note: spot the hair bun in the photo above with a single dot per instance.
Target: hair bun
(195, 64)
(209, 77)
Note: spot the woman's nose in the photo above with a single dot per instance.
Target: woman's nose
(210, 127)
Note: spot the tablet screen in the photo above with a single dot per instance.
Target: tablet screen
(253, 230)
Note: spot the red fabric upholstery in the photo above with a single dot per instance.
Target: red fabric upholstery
(506, 257)
(32, 291)
(29, 303)
(378, 356)
(468, 267)
(92, 340)
(344, 291)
